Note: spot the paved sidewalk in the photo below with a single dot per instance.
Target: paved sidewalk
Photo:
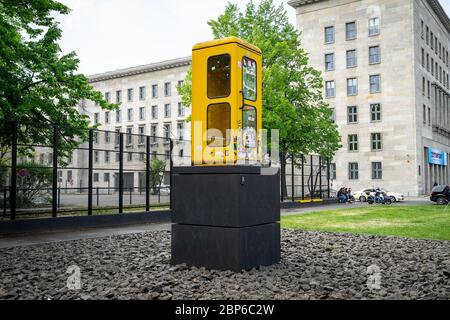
(33, 239)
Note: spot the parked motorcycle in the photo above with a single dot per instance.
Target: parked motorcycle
(379, 198)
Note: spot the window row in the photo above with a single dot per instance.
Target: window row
(432, 41)
(437, 71)
(351, 30)
(129, 156)
(351, 58)
(376, 142)
(142, 93)
(181, 112)
(130, 136)
(376, 170)
(353, 116)
(352, 86)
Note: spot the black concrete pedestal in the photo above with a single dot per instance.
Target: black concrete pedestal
(225, 218)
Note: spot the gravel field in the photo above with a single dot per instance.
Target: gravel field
(314, 266)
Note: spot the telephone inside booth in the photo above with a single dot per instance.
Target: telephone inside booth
(226, 103)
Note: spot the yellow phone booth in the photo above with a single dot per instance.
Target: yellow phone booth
(225, 208)
(226, 103)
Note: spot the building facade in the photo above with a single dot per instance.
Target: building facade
(386, 76)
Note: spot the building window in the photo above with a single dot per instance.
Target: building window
(180, 129)
(375, 83)
(329, 89)
(424, 85)
(424, 114)
(141, 131)
(142, 113)
(96, 118)
(422, 31)
(350, 30)
(180, 83)
(107, 137)
(154, 112)
(427, 35)
(69, 176)
(130, 115)
(374, 55)
(117, 156)
(118, 116)
(329, 35)
(106, 117)
(333, 171)
(376, 142)
(166, 130)
(352, 114)
(351, 58)
(106, 177)
(118, 96)
(352, 87)
(96, 157)
(429, 89)
(129, 136)
(96, 177)
(429, 116)
(155, 91)
(167, 89)
(117, 136)
(142, 93)
(181, 110)
(129, 156)
(353, 171)
(167, 111)
(375, 112)
(432, 40)
(333, 115)
(167, 154)
(108, 97)
(96, 137)
(107, 157)
(353, 142)
(329, 62)
(153, 132)
(423, 58)
(377, 170)
(374, 27)
(130, 95)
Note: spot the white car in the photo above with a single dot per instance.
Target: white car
(363, 194)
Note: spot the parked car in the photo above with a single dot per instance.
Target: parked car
(363, 194)
(440, 194)
(164, 189)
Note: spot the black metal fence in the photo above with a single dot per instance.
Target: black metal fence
(306, 178)
(116, 172)
(111, 172)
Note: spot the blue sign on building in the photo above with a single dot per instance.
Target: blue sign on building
(438, 157)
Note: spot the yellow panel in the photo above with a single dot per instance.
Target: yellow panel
(217, 81)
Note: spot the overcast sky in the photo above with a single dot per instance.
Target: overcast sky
(114, 34)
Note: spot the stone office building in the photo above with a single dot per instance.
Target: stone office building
(385, 66)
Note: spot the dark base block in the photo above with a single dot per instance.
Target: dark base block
(222, 248)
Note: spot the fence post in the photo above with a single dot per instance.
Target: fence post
(131, 195)
(4, 202)
(98, 197)
(170, 174)
(303, 176)
(13, 190)
(147, 175)
(292, 177)
(90, 170)
(312, 177)
(320, 177)
(121, 172)
(55, 172)
(59, 197)
(328, 177)
(282, 176)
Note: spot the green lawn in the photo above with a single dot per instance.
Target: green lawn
(427, 221)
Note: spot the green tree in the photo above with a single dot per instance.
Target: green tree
(157, 168)
(40, 86)
(33, 178)
(292, 90)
